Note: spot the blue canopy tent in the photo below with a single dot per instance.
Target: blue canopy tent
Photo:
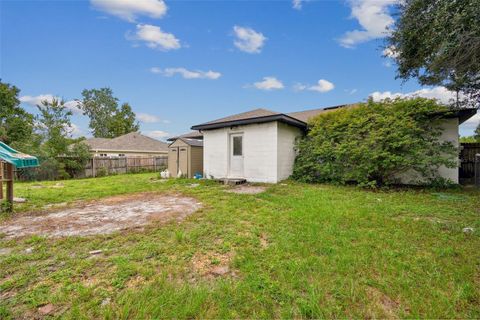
(10, 158)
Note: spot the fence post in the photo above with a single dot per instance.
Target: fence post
(477, 170)
(93, 167)
(10, 183)
(1, 180)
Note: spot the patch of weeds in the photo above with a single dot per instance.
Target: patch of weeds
(448, 196)
(180, 236)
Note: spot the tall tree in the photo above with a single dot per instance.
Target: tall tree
(53, 124)
(107, 120)
(16, 124)
(62, 156)
(438, 42)
(123, 121)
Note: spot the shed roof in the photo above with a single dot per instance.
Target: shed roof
(190, 142)
(190, 135)
(133, 141)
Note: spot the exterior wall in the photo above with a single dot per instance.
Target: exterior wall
(286, 152)
(450, 133)
(172, 161)
(215, 153)
(196, 160)
(259, 151)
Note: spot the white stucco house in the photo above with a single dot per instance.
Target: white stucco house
(259, 145)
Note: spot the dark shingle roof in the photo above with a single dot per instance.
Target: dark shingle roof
(190, 135)
(306, 115)
(133, 141)
(249, 117)
(257, 113)
(193, 142)
(298, 119)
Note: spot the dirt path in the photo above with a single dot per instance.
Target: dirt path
(103, 216)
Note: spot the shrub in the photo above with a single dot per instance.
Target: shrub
(374, 143)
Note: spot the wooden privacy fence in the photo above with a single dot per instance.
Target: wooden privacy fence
(101, 166)
(469, 167)
(477, 170)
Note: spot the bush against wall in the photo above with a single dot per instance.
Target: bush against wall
(375, 142)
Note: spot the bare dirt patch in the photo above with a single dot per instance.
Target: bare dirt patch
(383, 303)
(212, 264)
(103, 216)
(247, 189)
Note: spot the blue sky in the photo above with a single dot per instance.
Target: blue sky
(180, 63)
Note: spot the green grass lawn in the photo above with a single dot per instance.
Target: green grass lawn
(296, 250)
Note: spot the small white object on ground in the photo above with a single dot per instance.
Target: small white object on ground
(19, 200)
(5, 251)
(165, 174)
(106, 301)
(96, 251)
(468, 230)
(194, 185)
(29, 250)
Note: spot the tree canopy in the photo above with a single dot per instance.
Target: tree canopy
(375, 143)
(438, 42)
(107, 120)
(16, 124)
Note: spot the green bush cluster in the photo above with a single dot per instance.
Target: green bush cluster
(374, 143)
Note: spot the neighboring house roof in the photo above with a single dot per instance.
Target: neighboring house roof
(95, 143)
(133, 141)
(190, 135)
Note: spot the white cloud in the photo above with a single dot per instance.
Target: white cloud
(187, 74)
(441, 94)
(297, 4)
(269, 83)
(147, 118)
(248, 40)
(321, 86)
(374, 18)
(74, 130)
(71, 105)
(154, 37)
(130, 9)
(157, 134)
(390, 52)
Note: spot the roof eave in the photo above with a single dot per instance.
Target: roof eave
(277, 117)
